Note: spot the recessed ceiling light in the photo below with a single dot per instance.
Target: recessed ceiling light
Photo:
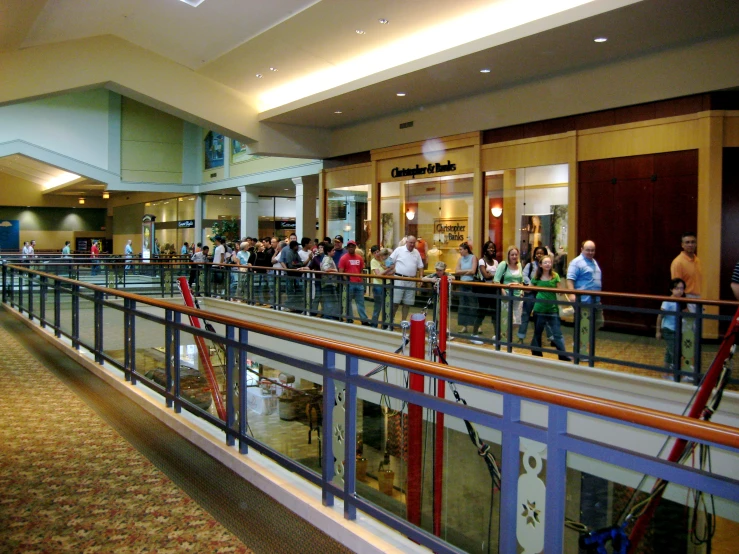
(485, 71)
(285, 189)
(400, 94)
(338, 111)
(258, 75)
(273, 69)
(193, 3)
(600, 39)
(383, 21)
(360, 32)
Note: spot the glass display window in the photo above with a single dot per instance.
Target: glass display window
(348, 213)
(528, 207)
(437, 211)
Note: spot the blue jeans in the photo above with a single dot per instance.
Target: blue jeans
(356, 293)
(552, 321)
(528, 305)
(378, 296)
(669, 336)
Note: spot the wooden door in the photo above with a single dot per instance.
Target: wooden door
(635, 209)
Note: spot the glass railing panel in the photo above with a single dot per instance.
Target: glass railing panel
(422, 467)
(607, 502)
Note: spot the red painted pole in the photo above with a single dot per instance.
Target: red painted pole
(203, 351)
(441, 393)
(697, 412)
(415, 424)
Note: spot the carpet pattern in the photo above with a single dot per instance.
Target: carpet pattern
(70, 483)
(85, 469)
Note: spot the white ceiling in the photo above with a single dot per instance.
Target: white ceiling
(188, 35)
(430, 49)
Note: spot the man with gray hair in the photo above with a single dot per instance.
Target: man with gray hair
(408, 263)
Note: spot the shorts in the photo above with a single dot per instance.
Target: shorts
(404, 292)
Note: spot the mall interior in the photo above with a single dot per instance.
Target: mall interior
(523, 123)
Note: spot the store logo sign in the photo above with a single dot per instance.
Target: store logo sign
(430, 169)
(186, 223)
(449, 230)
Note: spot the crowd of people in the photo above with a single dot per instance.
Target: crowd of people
(337, 268)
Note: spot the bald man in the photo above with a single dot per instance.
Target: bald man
(584, 274)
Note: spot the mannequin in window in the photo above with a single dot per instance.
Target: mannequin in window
(433, 256)
(422, 246)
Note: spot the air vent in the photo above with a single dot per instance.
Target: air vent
(406, 125)
(214, 174)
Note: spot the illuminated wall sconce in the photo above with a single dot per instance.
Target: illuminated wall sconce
(106, 195)
(347, 228)
(497, 211)
(81, 201)
(410, 214)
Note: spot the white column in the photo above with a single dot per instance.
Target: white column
(249, 213)
(306, 193)
(199, 213)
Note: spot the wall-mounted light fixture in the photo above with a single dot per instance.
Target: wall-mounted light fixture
(81, 201)
(106, 195)
(497, 211)
(410, 214)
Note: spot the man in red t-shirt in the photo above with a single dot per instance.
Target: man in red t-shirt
(353, 264)
(94, 253)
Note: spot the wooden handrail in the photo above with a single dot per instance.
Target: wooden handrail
(670, 423)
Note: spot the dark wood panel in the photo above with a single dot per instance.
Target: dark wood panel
(595, 170)
(729, 222)
(636, 223)
(633, 167)
(680, 106)
(672, 164)
(595, 119)
(549, 127)
(631, 114)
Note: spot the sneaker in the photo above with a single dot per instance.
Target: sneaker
(476, 339)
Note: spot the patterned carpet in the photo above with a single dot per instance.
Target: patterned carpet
(72, 481)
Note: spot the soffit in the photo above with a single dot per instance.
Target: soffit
(46, 175)
(173, 29)
(632, 31)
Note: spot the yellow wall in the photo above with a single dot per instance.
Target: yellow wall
(151, 144)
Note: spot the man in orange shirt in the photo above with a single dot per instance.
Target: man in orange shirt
(687, 266)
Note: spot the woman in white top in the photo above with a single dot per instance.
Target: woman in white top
(486, 300)
(329, 294)
(510, 272)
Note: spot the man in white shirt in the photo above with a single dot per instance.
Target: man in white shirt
(219, 256)
(408, 263)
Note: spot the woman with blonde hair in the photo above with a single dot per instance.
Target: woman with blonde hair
(510, 272)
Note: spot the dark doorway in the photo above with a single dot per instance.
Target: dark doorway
(729, 224)
(635, 209)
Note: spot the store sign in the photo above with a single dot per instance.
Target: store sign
(284, 224)
(186, 223)
(450, 230)
(430, 169)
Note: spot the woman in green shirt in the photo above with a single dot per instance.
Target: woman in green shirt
(547, 312)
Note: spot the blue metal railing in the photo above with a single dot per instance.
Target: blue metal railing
(340, 373)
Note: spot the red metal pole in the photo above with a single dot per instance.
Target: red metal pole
(696, 411)
(210, 373)
(441, 393)
(415, 423)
